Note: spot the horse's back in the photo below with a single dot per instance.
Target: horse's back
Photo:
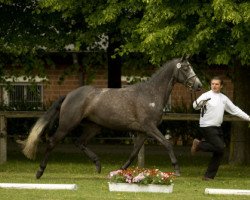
(80, 92)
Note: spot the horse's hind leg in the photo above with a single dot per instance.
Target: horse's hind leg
(89, 131)
(50, 146)
(63, 129)
(138, 142)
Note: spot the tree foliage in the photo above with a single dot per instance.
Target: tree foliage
(217, 29)
(159, 29)
(27, 29)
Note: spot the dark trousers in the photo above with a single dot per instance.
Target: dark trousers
(214, 143)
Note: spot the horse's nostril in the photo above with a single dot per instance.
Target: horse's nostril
(199, 87)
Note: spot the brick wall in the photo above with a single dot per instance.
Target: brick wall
(101, 79)
(180, 93)
(54, 89)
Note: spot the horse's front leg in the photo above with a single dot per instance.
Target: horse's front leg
(154, 132)
(92, 156)
(138, 142)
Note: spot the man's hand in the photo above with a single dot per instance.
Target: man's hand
(202, 103)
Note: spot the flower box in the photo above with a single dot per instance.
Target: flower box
(141, 180)
(131, 187)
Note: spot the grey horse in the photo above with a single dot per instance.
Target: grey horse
(137, 108)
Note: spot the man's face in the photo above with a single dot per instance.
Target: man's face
(216, 85)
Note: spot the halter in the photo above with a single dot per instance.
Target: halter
(179, 69)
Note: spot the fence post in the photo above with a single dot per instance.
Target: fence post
(3, 140)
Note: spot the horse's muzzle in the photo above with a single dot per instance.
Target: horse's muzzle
(194, 84)
(197, 85)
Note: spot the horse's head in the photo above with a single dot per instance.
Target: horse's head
(184, 74)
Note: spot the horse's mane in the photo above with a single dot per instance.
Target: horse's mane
(161, 71)
(163, 68)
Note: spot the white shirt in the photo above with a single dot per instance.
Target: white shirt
(215, 108)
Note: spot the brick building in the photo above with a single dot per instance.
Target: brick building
(53, 87)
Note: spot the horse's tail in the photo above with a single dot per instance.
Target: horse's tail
(30, 144)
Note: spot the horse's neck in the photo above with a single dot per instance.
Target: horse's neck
(162, 83)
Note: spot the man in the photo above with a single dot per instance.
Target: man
(213, 104)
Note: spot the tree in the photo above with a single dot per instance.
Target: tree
(240, 134)
(27, 33)
(217, 29)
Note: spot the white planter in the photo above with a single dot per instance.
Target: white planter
(131, 187)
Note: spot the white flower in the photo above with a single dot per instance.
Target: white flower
(138, 178)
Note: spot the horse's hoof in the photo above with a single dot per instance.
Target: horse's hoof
(39, 174)
(176, 170)
(124, 167)
(177, 173)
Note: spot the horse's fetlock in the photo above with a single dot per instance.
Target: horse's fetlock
(42, 168)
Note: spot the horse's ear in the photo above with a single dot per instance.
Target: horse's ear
(183, 58)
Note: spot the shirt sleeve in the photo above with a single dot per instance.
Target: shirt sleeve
(234, 110)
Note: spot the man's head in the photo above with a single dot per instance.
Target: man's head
(216, 84)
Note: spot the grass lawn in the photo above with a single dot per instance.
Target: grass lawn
(74, 168)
